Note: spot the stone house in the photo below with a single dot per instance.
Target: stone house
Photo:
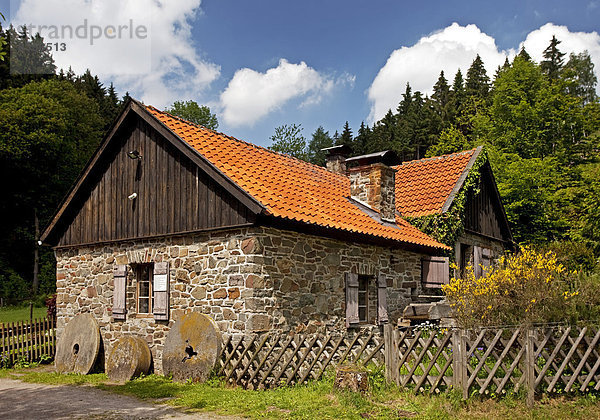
(170, 217)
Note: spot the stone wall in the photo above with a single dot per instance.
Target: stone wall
(248, 280)
(307, 276)
(212, 274)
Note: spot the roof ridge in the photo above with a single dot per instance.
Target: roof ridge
(412, 162)
(266, 149)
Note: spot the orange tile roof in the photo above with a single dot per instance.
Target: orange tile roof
(423, 186)
(287, 187)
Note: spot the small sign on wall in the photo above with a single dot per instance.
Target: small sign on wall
(160, 282)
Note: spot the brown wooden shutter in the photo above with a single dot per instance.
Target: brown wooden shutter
(487, 257)
(119, 309)
(435, 271)
(160, 288)
(351, 299)
(382, 312)
(477, 261)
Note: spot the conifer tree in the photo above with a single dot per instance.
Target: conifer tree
(441, 99)
(458, 93)
(384, 134)
(524, 54)
(553, 60)
(346, 138)
(478, 82)
(362, 140)
(320, 140)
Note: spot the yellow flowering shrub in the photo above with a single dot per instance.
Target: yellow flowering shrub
(528, 287)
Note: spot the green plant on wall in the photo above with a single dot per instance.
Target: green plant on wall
(447, 227)
(2, 41)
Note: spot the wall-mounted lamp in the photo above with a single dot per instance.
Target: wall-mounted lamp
(132, 196)
(134, 154)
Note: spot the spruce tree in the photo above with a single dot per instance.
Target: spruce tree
(524, 54)
(458, 93)
(320, 140)
(553, 60)
(478, 82)
(362, 140)
(346, 138)
(384, 134)
(441, 99)
(406, 102)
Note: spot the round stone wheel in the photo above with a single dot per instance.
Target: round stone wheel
(191, 348)
(79, 345)
(130, 357)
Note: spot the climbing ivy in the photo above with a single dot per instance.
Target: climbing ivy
(447, 227)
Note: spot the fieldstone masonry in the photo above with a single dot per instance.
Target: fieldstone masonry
(375, 186)
(248, 280)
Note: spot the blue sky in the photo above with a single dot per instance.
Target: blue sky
(265, 63)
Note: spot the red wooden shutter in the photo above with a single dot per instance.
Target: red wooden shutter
(382, 313)
(351, 299)
(119, 293)
(160, 288)
(435, 271)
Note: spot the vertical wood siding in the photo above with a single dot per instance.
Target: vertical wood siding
(482, 212)
(174, 195)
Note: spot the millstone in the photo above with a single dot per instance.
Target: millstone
(191, 348)
(78, 347)
(130, 357)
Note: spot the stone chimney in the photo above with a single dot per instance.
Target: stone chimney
(373, 182)
(336, 158)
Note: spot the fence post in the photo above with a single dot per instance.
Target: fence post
(458, 361)
(530, 366)
(390, 353)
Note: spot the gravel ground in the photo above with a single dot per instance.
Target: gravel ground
(21, 400)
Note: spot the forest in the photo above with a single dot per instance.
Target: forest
(539, 122)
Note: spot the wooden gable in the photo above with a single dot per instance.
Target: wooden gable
(175, 193)
(484, 213)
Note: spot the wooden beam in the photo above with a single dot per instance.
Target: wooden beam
(166, 235)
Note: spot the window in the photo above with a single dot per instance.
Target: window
(357, 299)
(363, 298)
(145, 298)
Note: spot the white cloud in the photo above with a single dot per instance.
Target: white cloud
(570, 42)
(451, 48)
(250, 95)
(455, 47)
(159, 68)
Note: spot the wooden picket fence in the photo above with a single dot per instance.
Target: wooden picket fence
(494, 361)
(27, 340)
(269, 360)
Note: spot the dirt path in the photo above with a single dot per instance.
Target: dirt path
(21, 400)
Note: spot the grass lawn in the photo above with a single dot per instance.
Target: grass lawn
(319, 400)
(14, 313)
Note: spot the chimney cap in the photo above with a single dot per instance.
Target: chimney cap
(387, 157)
(340, 149)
